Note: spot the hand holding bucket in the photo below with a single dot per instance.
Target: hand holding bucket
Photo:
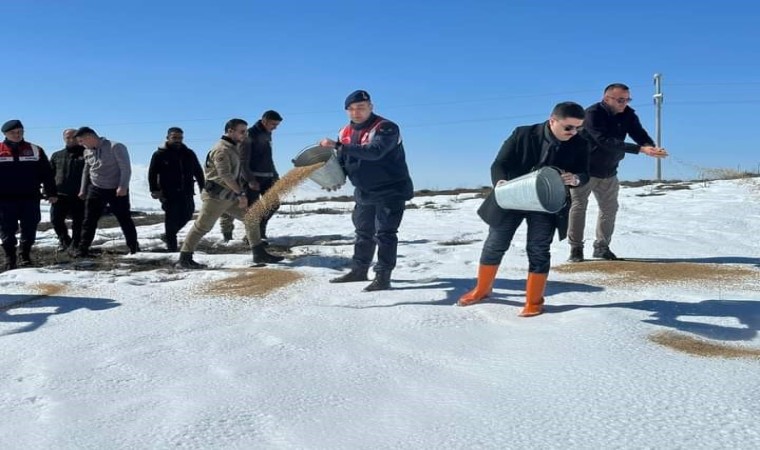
(542, 190)
(330, 176)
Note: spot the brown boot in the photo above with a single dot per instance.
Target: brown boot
(486, 276)
(534, 294)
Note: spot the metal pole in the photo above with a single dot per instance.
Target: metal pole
(658, 121)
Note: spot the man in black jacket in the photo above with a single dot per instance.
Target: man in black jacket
(607, 125)
(173, 170)
(552, 143)
(372, 154)
(24, 167)
(258, 170)
(68, 165)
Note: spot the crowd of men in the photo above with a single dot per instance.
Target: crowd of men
(92, 172)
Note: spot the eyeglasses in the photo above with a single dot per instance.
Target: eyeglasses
(572, 128)
(621, 100)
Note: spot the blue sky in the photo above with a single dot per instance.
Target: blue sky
(456, 76)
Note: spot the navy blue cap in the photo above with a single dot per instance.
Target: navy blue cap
(11, 125)
(356, 97)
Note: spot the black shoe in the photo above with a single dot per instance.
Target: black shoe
(350, 277)
(260, 255)
(24, 259)
(63, 244)
(10, 261)
(382, 282)
(186, 261)
(81, 253)
(576, 254)
(134, 248)
(227, 236)
(605, 253)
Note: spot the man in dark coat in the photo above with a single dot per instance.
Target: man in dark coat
(552, 143)
(371, 152)
(173, 171)
(24, 167)
(68, 165)
(607, 125)
(258, 170)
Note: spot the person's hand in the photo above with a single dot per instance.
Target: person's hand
(52, 200)
(654, 152)
(121, 192)
(155, 194)
(500, 182)
(254, 185)
(242, 201)
(333, 188)
(81, 195)
(570, 179)
(329, 143)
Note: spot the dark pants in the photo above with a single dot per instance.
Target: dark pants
(97, 199)
(179, 210)
(377, 225)
(541, 227)
(68, 206)
(23, 211)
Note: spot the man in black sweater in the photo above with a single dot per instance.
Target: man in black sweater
(68, 165)
(173, 170)
(607, 125)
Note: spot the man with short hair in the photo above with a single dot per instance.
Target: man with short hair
(555, 143)
(105, 182)
(258, 169)
(24, 167)
(607, 124)
(171, 175)
(224, 193)
(371, 152)
(68, 165)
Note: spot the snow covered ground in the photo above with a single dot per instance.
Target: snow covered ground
(157, 359)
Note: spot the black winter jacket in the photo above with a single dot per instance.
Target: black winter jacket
(68, 165)
(172, 170)
(372, 155)
(526, 150)
(257, 153)
(23, 168)
(606, 133)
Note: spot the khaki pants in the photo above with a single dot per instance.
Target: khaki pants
(211, 210)
(605, 191)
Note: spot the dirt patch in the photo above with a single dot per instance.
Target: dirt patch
(48, 288)
(620, 273)
(698, 347)
(248, 283)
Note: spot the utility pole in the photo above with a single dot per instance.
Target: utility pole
(658, 122)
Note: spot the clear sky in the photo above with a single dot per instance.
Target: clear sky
(456, 76)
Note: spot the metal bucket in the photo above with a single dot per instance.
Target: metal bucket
(330, 175)
(542, 190)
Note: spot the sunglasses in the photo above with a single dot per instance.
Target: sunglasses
(572, 128)
(622, 100)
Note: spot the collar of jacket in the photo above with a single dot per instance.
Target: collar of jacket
(360, 126)
(225, 138)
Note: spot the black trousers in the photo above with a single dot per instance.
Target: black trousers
(68, 206)
(377, 226)
(96, 201)
(541, 227)
(13, 212)
(179, 210)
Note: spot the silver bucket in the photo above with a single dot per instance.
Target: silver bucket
(330, 175)
(542, 190)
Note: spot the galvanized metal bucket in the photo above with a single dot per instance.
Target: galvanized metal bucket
(542, 190)
(330, 175)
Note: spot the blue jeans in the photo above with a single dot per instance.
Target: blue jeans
(541, 227)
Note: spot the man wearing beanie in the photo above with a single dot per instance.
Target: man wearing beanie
(258, 169)
(68, 165)
(105, 181)
(371, 153)
(23, 168)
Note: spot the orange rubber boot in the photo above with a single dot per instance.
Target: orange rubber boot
(486, 275)
(534, 294)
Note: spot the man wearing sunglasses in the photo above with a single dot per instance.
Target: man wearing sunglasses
(607, 125)
(552, 143)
